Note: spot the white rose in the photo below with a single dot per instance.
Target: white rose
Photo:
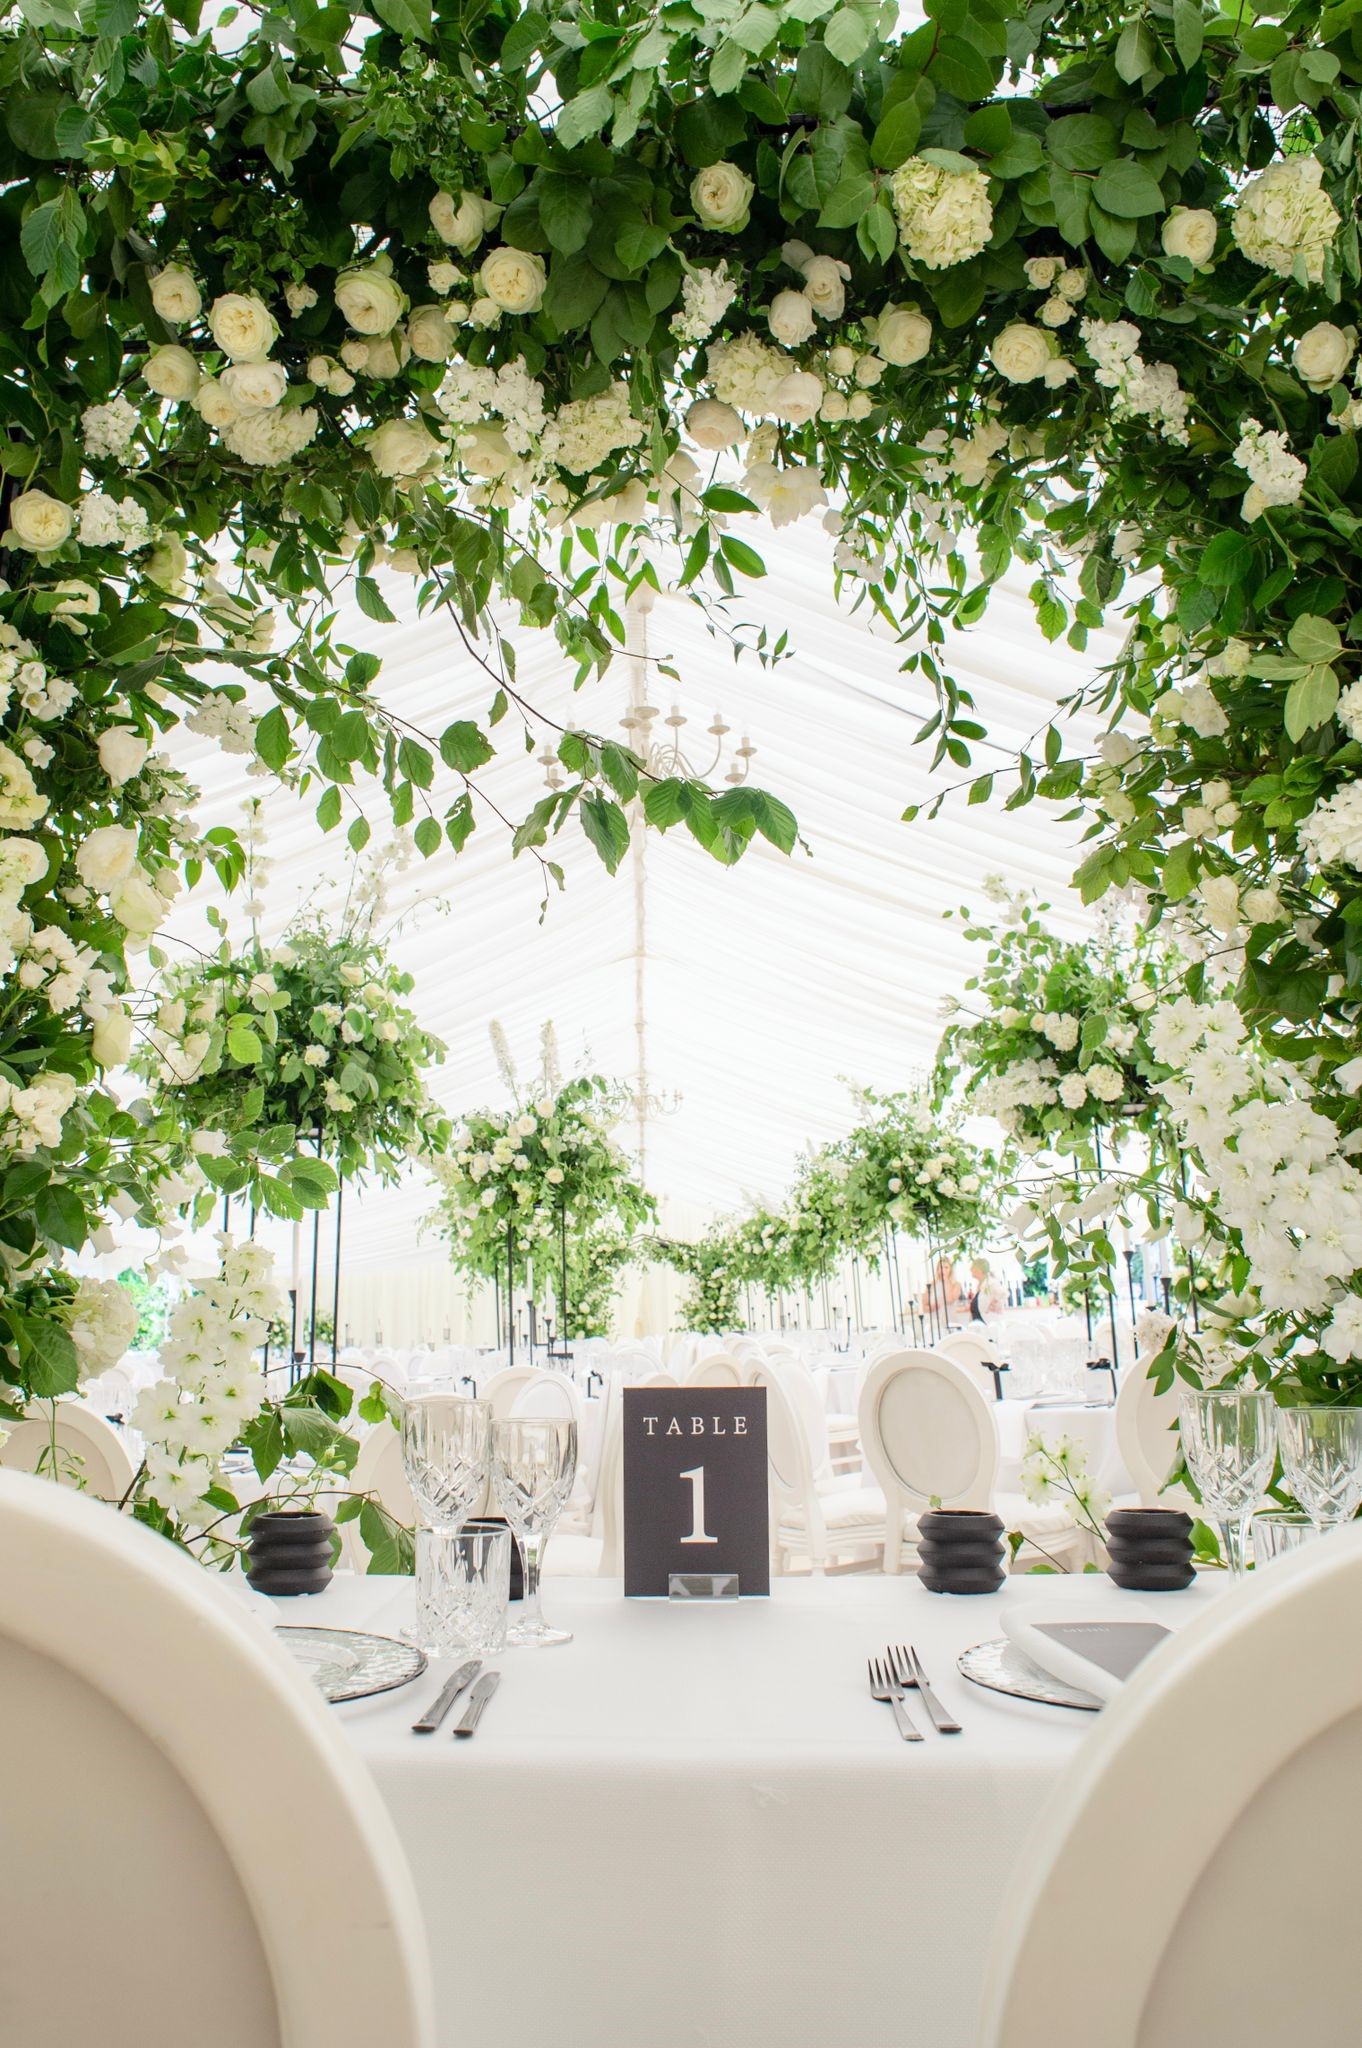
(254, 387)
(137, 906)
(1322, 355)
(355, 355)
(166, 564)
(121, 753)
(175, 295)
(797, 397)
(39, 523)
(833, 406)
(1021, 352)
(386, 356)
(790, 318)
(514, 280)
(403, 448)
(485, 451)
(299, 298)
(1072, 284)
(429, 334)
(215, 404)
(106, 856)
(1190, 231)
(869, 370)
(842, 360)
(1264, 906)
(462, 222)
(243, 327)
(824, 288)
(111, 1040)
(442, 277)
(1220, 900)
(369, 299)
(1057, 311)
(1116, 750)
(554, 1176)
(1041, 271)
(860, 405)
(711, 424)
(902, 335)
(722, 196)
(484, 312)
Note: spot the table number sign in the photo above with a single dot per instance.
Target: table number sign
(695, 1487)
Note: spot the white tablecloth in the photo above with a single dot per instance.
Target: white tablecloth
(691, 1828)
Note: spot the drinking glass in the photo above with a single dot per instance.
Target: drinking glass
(1277, 1533)
(1229, 1440)
(534, 1462)
(1322, 1458)
(444, 1455)
(463, 1588)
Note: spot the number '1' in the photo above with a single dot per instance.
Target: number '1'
(696, 1476)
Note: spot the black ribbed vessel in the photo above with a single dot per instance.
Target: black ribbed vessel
(290, 1552)
(960, 1551)
(1150, 1549)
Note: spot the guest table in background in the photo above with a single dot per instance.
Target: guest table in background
(692, 1827)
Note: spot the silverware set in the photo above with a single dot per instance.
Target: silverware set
(898, 1673)
(465, 1679)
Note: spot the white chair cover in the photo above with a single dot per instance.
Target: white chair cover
(90, 1453)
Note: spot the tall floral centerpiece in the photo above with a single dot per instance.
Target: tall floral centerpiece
(527, 1189)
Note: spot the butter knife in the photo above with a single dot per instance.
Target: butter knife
(477, 1700)
(431, 1720)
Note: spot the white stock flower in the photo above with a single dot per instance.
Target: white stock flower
(1219, 897)
(944, 215)
(1322, 355)
(463, 222)
(1073, 1091)
(38, 523)
(706, 296)
(108, 430)
(103, 1324)
(1282, 218)
(1277, 477)
(713, 425)
(243, 327)
(402, 448)
(1105, 1083)
(1190, 232)
(790, 318)
(175, 296)
(746, 372)
(1332, 833)
(1021, 353)
(122, 753)
(254, 387)
(722, 197)
(370, 301)
(514, 280)
(585, 431)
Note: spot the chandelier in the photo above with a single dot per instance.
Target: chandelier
(666, 755)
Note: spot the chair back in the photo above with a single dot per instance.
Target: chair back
(186, 1795)
(809, 1405)
(1233, 1753)
(789, 1465)
(928, 1433)
(720, 1369)
(975, 1354)
(1146, 1431)
(75, 1447)
(378, 1470)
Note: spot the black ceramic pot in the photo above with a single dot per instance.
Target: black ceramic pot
(1150, 1549)
(290, 1552)
(960, 1551)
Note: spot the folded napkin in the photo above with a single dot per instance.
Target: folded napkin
(1092, 1652)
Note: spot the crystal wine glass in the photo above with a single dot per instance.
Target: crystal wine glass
(444, 1455)
(534, 1462)
(1322, 1458)
(1229, 1440)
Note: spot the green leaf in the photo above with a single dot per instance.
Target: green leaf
(411, 18)
(667, 802)
(41, 237)
(1314, 639)
(1134, 52)
(1226, 559)
(243, 1043)
(1081, 142)
(428, 837)
(1180, 870)
(1188, 31)
(47, 1357)
(413, 761)
(741, 557)
(329, 809)
(372, 602)
(575, 290)
(961, 68)
(847, 35)
(565, 209)
(59, 1213)
(584, 116)
(1311, 701)
(896, 137)
(1127, 190)
(639, 245)
(606, 827)
(464, 747)
(776, 821)
(822, 85)
(273, 741)
(264, 1439)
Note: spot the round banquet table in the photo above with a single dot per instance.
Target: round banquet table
(692, 1827)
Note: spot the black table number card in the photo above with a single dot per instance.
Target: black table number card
(695, 1486)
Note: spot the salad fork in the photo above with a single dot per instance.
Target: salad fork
(885, 1688)
(903, 1662)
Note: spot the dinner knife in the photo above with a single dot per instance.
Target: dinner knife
(431, 1720)
(477, 1700)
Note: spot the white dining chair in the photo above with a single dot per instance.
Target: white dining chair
(930, 1439)
(812, 1522)
(1219, 1801)
(1147, 1439)
(378, 1470)
(74, 1446)
(976, 1354)
(720, 1369)
(192, 1803)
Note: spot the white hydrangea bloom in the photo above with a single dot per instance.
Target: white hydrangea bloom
(945, 216)
(1283, 219)
(746, 372)
(585, 431)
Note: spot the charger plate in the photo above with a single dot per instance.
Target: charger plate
(346, 1664)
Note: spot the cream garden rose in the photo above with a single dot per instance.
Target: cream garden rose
(711, 424)
(1322, 355)
(1021, 353)
(790, 318)
(215, 403)
(514, 280)
(429, 334)
(463, 222)
(825, 286)
(139, 907)
(254, 387)
(1190, 232)
(369, 299)
(243, 327)
(39, 523)
(402, 448)
(797, 397)
(21, 803)
(106, 856)
(122, 753)
(175, 295)
(722, 197)
(111, 1039)
(901, 335)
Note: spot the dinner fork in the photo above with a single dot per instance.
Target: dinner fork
(904, 1662)
(885, 1688)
